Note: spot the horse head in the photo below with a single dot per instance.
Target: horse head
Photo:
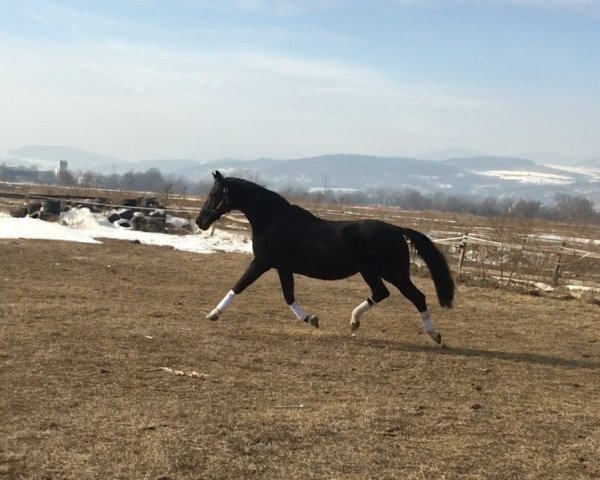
(217, 203)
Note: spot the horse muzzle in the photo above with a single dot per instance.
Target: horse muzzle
(205, 220)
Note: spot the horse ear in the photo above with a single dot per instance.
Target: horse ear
(217, 175)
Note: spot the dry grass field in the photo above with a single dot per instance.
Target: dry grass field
(85, 330)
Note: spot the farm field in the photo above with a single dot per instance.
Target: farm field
(85, 330)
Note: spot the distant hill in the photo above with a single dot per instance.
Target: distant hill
(590, 163)
(549, 158)
(481, 175)
(168, 166)
(491, 163)
(341, 171)
(78, 159)
(439, 155)
(83, 160)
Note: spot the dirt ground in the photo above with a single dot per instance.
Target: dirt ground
(85, 330)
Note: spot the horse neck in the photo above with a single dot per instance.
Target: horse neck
(261, 213)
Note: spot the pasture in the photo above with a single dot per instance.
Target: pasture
(85, 330)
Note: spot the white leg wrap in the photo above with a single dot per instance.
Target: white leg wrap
(222, 306)
(429, 328)
(298, 311)
(226, 302)
(426, 321)
(360, 311)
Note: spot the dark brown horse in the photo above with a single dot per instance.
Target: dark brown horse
(294, 241)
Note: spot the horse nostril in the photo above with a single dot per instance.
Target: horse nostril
(201, 222)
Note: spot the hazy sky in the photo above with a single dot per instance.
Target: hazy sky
(208, 79)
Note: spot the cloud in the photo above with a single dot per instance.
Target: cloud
(209, 104)
(53, 14)
(585, 7)
(122, 69)
(275, 7)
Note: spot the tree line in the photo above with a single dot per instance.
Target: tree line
(566, 207)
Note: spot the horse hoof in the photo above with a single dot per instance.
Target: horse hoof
(214, 315)
(435, 336)
(313, 321)
(354, 325)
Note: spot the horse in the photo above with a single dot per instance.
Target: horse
(292, 240)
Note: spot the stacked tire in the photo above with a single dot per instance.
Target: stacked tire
(50, 209)
(122, 217)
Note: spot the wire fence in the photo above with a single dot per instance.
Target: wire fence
(530, 260)
(87, 202)
(511, 255)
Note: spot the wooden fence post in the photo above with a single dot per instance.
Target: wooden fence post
(463, 250)
(557, 266)
(214, 227)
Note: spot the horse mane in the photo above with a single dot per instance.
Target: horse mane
(267, 196)
(261, 192)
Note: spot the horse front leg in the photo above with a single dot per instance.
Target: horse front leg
(287, 286)
(252, 273)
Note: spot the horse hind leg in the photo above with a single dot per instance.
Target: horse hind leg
(410, 291)
(379, 292)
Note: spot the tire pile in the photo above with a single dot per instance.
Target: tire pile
(143, 213)
(132, 215)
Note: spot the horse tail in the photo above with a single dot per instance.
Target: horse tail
(437, 265)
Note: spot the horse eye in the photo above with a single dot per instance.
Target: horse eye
(225, 190)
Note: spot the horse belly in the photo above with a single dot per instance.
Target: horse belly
(326, 265)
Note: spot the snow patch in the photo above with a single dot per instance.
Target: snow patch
(31, 228)
(81, 225)
(524, 176)
(592, 173)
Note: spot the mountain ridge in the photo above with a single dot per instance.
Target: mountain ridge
(487, 175)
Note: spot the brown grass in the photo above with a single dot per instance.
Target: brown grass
(515, 396)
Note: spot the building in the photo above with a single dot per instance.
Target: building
(24, 174)
(61, 168)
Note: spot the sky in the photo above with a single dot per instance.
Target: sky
(208, 79)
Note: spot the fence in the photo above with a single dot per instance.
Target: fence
(514, 254)
(530, 260)
(516, 257)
